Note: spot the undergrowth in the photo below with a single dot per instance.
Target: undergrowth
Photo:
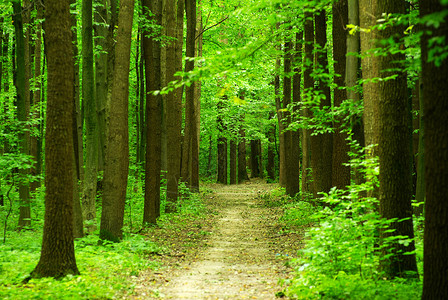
(107, 270)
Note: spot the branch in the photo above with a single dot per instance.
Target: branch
(210, 27)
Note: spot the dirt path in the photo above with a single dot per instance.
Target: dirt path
(240, 260)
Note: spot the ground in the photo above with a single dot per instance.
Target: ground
(236, 252)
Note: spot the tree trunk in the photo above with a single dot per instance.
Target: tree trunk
(233, 161)
(321, 145)
(222, 145)
(152, 50)
(270, 168)
(395, 154)
(101, 86)
(58, 256)
(308, 86)
(117, 144)
(341, 172)
(173, 109)
(91, 118)
(22, 89)
(435, 78)
(255, 159)
(281, 126)
(420, 193)
(242, 170)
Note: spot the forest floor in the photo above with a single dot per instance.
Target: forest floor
(236, 252)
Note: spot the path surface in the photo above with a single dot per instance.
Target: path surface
(238, 264)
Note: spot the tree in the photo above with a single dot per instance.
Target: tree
(117, 143)
(242, 170)
(395, 191)
(321, 144)
(340, 171)
(91, 118)
(22, 86)
(435, 78)
(222, 143)
(173, 105)
(152, 53)
(58, 255)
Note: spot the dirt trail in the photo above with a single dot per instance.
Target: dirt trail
(238, 264)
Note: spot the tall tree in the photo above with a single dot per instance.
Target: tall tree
(222, 143)
(308, 85)
(340, 171)
(435, 79)
(152, 51)
(242, 170)
(281, 125)
(91, 117)
(173, 105)
(233, 161)
(190, 155)
(117, 144)
(394, 149)
(22, 87)
(58, 255)
(321, 144)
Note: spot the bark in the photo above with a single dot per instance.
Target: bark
(233, 161)
(308, 85)
(222, 145)
(420, 193)
(152, 52)
(435, 78)
(370, 69)
(117, 144)
(190, 159)
(22, 89)
(395, 158)
(321, 145)
(340, 171)
(242, 170)
(173, 109)
(58, 256)
(255, 154)
(101, 86)
(91, 118)
(281, 125)
(270, 168)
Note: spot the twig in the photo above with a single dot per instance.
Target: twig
(214, 25)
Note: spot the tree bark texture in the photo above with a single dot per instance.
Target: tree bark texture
(58, 256)
(152, 52)
(117, 144)
(435, 79)
(394, 149)
(281, 126)
(173, 108)
(270, 168)
(321, 144)
(22, 87)
(233, 161)
(308, 86)
(222, 144)
(242, 164)
(91, 118)
(340, 172)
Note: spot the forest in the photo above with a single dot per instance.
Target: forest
(293, 149)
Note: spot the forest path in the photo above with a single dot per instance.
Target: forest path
(241, 259)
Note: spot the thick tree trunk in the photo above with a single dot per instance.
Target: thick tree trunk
(322, 144)
(117, 144)
(233, 161)
(91, 118)
(395, 154)
(435, 78)
(152, 51)
(58, 256)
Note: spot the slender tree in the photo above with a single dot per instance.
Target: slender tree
(435, 79)
(58, 256)
(22, 88)
(117, 144)
(222, 144)
(242, 170)
(91, 117)
(152, 52)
